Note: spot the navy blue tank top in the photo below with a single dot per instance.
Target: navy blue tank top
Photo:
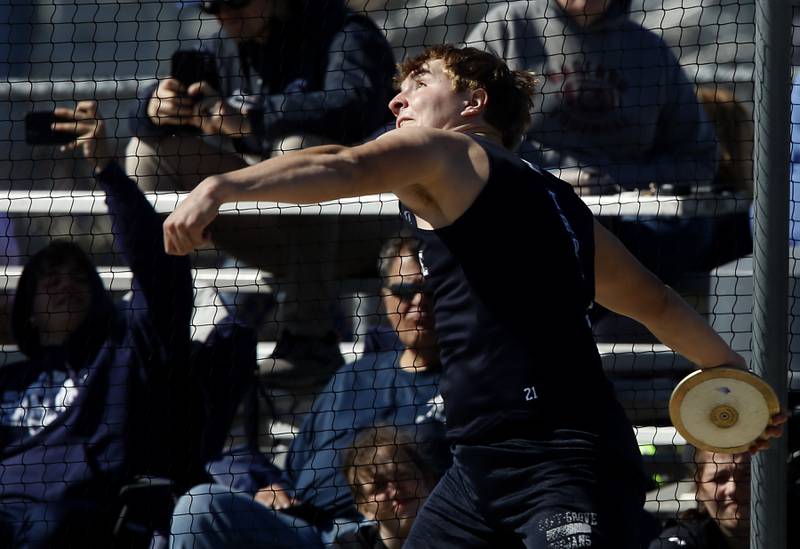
(512, 281)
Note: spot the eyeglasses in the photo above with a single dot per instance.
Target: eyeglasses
(405, 291)
(213, 7)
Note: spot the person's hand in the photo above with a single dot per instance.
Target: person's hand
(774, 430)
(91, 140)
(213, 115)
(186, 228)
(275, 496)
(170, 105)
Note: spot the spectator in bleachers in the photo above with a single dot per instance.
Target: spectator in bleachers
(100, 395)
(390, 479)
(292, 74)
(733, 125)
(722, 519)
(615, 111)
(309, 502)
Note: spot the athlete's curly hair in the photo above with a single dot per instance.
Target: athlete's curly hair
(509, 92)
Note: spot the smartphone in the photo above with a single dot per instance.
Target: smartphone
(190, 66)
(38, 130)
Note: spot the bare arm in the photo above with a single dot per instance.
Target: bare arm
(436, 173)
(626, 287)
(623, 285)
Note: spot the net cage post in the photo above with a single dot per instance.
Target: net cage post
(770, 256)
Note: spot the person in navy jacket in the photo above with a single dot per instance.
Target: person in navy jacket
(310, 502)
(99, 398)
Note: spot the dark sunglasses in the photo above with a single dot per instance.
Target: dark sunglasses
(406, 291)
(214, 6)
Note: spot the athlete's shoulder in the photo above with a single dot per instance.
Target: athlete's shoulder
(422, 135)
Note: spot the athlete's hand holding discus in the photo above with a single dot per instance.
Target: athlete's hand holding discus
(727, 410)
(774, 428)
(626, 287)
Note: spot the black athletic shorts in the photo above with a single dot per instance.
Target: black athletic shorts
(555, 494)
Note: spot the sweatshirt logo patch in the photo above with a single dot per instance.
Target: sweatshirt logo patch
(422, 264)
(590, 97)
(36, 407)
(297, 86)
(433, 411)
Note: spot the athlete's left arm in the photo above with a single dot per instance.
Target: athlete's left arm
(431, 171)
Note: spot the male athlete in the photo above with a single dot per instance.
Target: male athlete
(543, 454)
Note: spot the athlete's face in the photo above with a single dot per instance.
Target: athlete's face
(723, 488)
(585, 12)
(408, 306)
(427, 99)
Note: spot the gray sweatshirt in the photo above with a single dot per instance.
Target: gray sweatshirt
(613, 104)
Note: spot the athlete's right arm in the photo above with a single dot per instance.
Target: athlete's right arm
(436, 173)
(623, 285)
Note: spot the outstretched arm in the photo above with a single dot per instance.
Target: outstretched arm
(437, 173)
(626, 287)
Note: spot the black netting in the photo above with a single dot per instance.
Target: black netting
(281, 384)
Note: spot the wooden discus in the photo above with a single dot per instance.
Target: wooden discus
(722, 409)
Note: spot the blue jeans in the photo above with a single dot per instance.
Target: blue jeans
(212, 516)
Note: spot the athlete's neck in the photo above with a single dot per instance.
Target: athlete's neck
(476, 126)
(493, 137)
(484, 131)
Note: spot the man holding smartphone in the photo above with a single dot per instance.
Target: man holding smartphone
(291, 74)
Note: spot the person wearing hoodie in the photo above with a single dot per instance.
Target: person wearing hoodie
(99, 398)
(615, 112)
(292, 74)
